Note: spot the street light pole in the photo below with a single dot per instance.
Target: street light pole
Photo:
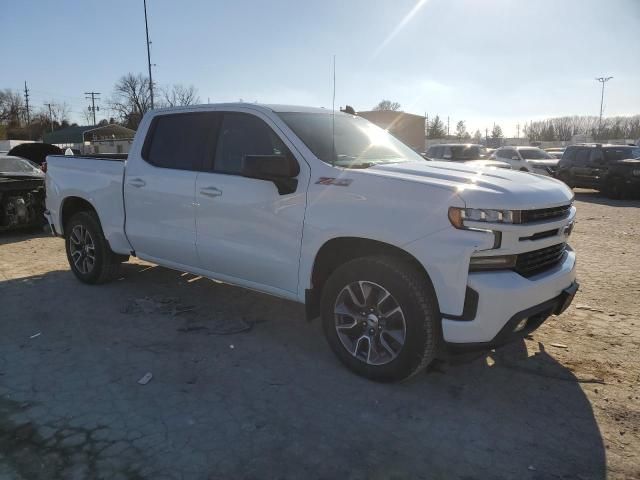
(146, 27)
(602, 80)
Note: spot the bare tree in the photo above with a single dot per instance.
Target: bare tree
(179, 95)
(388, 105)
(477, 136)
(131, 99)
(11, 107)
(496, 131)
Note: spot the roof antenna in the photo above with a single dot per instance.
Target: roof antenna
(333, 114)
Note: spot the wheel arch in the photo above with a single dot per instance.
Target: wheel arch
(72, 205)
(337, 251)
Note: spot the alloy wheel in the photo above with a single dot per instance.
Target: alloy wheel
(82, 249)
(370, 323)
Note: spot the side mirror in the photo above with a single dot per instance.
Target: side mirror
(279, 169)
(515, 157)
(447, 156)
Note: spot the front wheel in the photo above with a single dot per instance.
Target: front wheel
(380, 317)
(88, 252)
(615, 188)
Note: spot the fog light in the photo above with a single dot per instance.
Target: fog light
(498, 262)
(521, 324)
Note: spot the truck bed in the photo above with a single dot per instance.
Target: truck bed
(97, 179)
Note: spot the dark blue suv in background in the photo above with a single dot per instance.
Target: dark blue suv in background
(612, 169)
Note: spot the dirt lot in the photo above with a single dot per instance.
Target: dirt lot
(243, 387)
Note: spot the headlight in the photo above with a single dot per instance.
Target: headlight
(459, 216)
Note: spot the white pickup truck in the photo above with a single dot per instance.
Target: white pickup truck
(403, 259)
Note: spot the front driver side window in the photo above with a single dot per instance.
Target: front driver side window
(243, 135)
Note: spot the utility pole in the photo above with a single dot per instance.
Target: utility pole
(518, 129)
(26, 101)
(486, 134)
(50, 114)
(447, 125)
(146, 27)
(93, 107)
(602, 80)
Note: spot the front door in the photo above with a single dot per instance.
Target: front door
(159, 188)
(246, 230)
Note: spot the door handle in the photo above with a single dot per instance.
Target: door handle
(211, 192)
(137, 182)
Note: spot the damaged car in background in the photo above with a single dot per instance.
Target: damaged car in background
(21, 194)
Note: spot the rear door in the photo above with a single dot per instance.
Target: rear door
(159, 187)
(247, 232)
(596, 166)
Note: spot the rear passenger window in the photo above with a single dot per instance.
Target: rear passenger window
(182, 141)
(243, 135)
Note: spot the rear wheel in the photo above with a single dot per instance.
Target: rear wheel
(380, 317)
(88, 252)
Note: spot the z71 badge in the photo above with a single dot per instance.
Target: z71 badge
(340, 182)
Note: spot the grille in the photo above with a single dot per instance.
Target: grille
(528, 216)
(532, 263)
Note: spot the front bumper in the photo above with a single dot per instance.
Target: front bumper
(503, 298)
(522, 323)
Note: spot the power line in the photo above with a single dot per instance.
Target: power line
(93, 107)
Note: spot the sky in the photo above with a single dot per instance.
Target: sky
(481, 61)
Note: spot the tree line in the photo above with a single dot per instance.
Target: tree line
(127, 104)
(564, 128)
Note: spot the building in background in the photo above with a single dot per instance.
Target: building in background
(110, 138)
(406, 127)
(6, 145)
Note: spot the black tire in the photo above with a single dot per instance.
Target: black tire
(615, 188)
(106, 263)
(564, 177)
(413, 292)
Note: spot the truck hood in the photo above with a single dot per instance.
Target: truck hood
(482, 187)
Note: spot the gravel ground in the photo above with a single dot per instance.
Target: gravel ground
(243, 387)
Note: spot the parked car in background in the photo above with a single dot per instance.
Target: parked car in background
(608, 168)
(473, 154)
(400, 257)
(21, 193)
(555, 152)
(528, 159)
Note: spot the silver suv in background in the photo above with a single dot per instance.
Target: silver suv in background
(469, 153)
(528, 159)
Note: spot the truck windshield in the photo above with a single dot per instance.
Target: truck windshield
(357, 143)
(16, 165)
